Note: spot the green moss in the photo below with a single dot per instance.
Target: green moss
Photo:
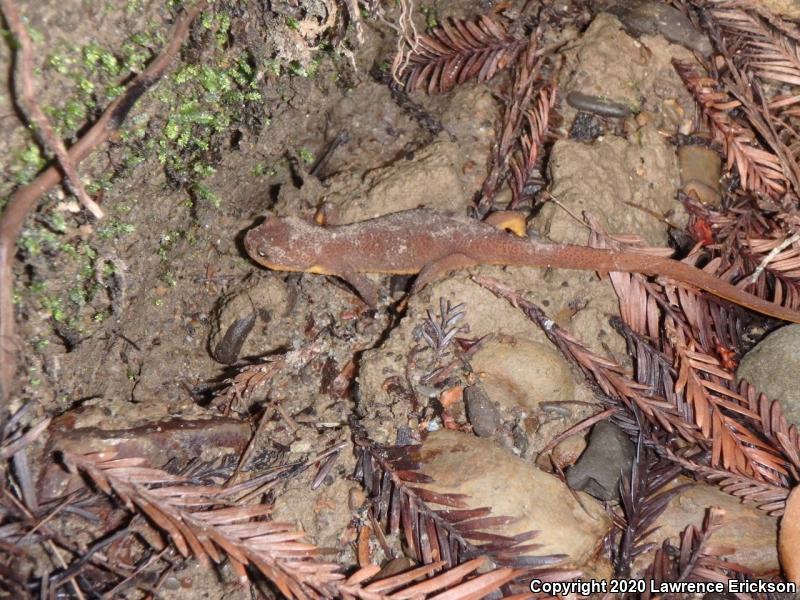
(207, 195)
(169, 279)
(429, 12)
(54, 306)
(26, 164)
(262, 170)
(309, 70)
(36, 240)
(306, 155)
(273, 67)
(167, 243)
(95, 56)
(77, 296)
(188, 118)
(114, 228)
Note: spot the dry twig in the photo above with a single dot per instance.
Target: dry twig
(27, 98)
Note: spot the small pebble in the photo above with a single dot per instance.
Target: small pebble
(609, 454)
(701, 169)
(597, 105)
(356, 498)
(171, 583)
(227, 349)
(482, 413)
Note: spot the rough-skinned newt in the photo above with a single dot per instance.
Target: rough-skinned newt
(431, 243)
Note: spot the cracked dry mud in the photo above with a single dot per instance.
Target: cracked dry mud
(168, 347)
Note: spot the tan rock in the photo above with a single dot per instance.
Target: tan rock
(517, 373)
(701, 169)
(432, 180)
(564, 454)
(491, 476)
(789, 539)
(787, 8)
(611, 178)
(750, 531)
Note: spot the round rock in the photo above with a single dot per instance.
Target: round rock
(752, 533)
(519, 374)
(772, 367)
(491, 476)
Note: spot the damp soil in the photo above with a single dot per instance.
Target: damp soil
(145, 315)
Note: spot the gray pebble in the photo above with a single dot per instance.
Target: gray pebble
(597, 105)
(483, 415)
(609, 454)
(227, 349)
(773, 365)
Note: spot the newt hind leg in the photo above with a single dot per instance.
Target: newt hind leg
(362, 285)
(431, 271)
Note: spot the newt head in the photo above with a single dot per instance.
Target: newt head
(285, 244)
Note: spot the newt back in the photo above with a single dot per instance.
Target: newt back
(431, 243)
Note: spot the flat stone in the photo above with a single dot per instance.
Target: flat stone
(772, 366)
(610, 178)
(491, 476)
(648, 17)
(751, 532)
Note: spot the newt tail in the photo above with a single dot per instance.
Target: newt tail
(431, 243)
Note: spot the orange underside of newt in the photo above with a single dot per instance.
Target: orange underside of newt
(431, 243)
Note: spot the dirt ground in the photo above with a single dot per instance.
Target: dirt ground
(132, 320)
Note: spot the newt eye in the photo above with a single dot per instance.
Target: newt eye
(261, 252)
